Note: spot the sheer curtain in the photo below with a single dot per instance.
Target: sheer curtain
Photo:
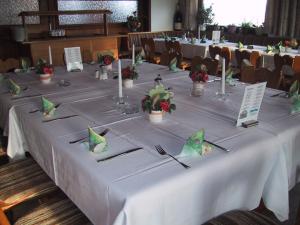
(190, 10)
(283, 18)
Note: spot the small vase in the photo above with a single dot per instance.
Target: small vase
(108, 67)
(103, 73)
(198, 88)
(155, 116)
(45, 78)
(128, 83)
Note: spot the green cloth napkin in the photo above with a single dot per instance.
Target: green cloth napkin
(173, 65)
(269, 49)
(195, 145)
(295, 97)
(240, 45)
(14, 88)
(25, 64)
(97, 143)
(193, 41)
(229, 74)
(138, 59)
(48, 107)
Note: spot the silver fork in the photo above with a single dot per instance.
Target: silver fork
(161, 151)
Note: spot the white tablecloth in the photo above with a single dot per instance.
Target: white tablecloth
(144, 187)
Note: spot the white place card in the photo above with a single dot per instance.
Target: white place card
(252, 99)
(73, 59)
(216, 35)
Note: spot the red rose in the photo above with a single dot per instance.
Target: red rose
(165, 106)
(107, 60)
(204, 77)
(126, 73)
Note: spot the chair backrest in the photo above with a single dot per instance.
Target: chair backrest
(296, 64)
(196, 61)
(9, 65)
(247, 74)
(149, 49)
(255, 58)
(214, 51)
(165, 59)
(3, 218)
(273, 78)
(240, 55)
(226, 53)
(211, 65)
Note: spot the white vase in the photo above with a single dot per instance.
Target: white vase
(108, 67)
(155, 116)
(198, 88)
(45, 78)
(128, 83)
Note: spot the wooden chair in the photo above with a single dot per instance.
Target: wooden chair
(211, 65)
(240, 56)
(296, 64)
(247, 74)
(214, 51)
(21, 181)
(9, 65)
(273, 78)
(149, 49)
(226, 53)
(255, 59)
(239, 217)
(165, 59)
(197, 60)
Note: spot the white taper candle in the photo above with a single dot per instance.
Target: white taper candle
(120, 79)
(133, 54)
(223, 77)
(50, 55)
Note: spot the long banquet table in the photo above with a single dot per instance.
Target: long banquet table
(202, 49)
(144, 187)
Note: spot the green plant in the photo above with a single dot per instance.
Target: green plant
(205, 15)
(248, 28)
(133, 22)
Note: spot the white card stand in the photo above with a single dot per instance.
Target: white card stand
(216, 35)
(73, 59)
(252, 99)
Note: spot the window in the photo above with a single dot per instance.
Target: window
(237, 11)
(121, 9)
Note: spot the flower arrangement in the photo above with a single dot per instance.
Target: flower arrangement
(106, 58)
(130, 73)
(200, 74)
(158, 99)
(292, 43)
(133, 22)
(43, 68)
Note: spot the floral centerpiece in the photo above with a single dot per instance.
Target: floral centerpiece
(292, 44)
(44, 70)
(199, 78)
(157, 102)
(129, 74)
(133, 22)
(105, 59)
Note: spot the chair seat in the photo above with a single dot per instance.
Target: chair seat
(241, 218)
(62, 212)
(23, 180)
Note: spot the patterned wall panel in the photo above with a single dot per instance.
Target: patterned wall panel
(9, 10)
(120, 9)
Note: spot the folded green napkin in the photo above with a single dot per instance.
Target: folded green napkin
(173, 65)
(139, 59)
(229, 80)
(195, 145)
(48, 107)
(14, 88)
(269, 49)
(193, 41)
(295, 97)
(97, 143)
(240, 45)
(25, 64)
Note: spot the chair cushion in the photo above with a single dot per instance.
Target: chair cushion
(53, 212)
(241, 218)
(22, 180)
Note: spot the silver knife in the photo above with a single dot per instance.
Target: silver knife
(122, 153)
(218, 146)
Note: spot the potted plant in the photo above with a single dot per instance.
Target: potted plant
(106, 59)
(128, 75)
(204, 16)
(247, 28)
(157, 102)
(133, 22)
(199, 77)
(44, 70)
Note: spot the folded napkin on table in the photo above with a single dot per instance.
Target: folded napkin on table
(14, 88)
(173, 65)
(240, 45)
(97, 143)
(139, 59)
(295, 97)
(269, 49)
(48, 107)
(229, 74)
(195, 145)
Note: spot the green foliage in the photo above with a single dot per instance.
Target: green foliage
(205, 15)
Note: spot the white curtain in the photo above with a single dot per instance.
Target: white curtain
(189, 10)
